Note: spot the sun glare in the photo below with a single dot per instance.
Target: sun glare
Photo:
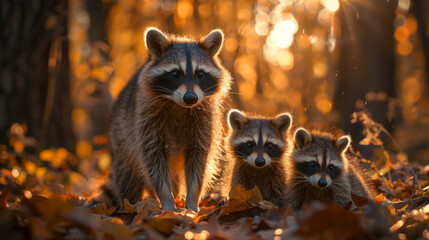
(331, 5)
(283, 32)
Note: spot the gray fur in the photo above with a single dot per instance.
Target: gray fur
(151, 135)
(271, 179)
(352, 179)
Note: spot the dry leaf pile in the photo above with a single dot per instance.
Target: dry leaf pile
(48, 196)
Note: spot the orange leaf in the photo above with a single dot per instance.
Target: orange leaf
(116, 230)
(129, 207)
(238, 192)
(102, 210)
(379, 198)
(205, 213)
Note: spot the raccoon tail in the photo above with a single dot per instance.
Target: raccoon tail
(108, 195)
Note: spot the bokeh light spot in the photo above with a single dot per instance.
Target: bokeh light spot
(331, 5)
(285, 59)
(184, 9)
(404, 48)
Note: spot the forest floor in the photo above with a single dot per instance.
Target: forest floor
(48, 196)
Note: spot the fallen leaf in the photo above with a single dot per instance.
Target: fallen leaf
(128, 207)
(359, 201)
(116, 230)
(38, 228)
(238, 192)
(165, 223)
(149, 203)
(205, 213)
(379, 198)
(102, 210)
(51, 208)
(332, 222)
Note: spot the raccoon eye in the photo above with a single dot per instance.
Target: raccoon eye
(269, 146)
(249, 144)
(201, 75)
(331, 167)
(174, 73)
(312, 164)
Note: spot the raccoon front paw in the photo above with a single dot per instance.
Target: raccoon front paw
(168, 206)
(192, 206)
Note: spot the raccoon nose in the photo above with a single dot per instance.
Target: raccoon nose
(190, 98)
(259, 162)
(322, 182)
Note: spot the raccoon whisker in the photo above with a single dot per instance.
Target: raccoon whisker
(165, 101)
(162, 89)
(208, 93)
(160, 97)
(210, 88)
(240, 154)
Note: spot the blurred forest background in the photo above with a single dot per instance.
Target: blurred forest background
(358, 65)
(64, 62)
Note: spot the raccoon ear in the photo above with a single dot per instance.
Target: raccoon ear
(302, 138)
(343, 143)
(155, 41)
(213, 42)
(282, 122)
(236, 119)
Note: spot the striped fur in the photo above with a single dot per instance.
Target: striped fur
(160, 143)
(320, 171)
(254, 137)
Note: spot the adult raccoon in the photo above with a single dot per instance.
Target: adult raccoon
(166, 125)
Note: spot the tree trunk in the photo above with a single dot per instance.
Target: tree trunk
(366, 61)
(420, 8)
(34, 73)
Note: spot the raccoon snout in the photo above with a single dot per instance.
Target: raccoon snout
(322, 182)
(190, 98)
(259, 162)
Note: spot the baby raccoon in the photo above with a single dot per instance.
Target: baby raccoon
(320, 171)
(165, 127)
(257, 148)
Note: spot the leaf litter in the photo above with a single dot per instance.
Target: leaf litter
(48, 196)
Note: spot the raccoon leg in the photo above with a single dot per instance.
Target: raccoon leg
(175, 185)
(195, 165)
(157, 167)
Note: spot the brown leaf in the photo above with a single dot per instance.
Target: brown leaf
(165, 223)
(234, 209)
(241, 230)
(39, 230)
(116, 230)
(234, 205)
(129, 207)
(205, 213)
(332, 222)
(149, 203)
(143, 214)
(238, 192)
(152, 233)
(50, 209)
(80, 218)
(102, 210)
(359, 200)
